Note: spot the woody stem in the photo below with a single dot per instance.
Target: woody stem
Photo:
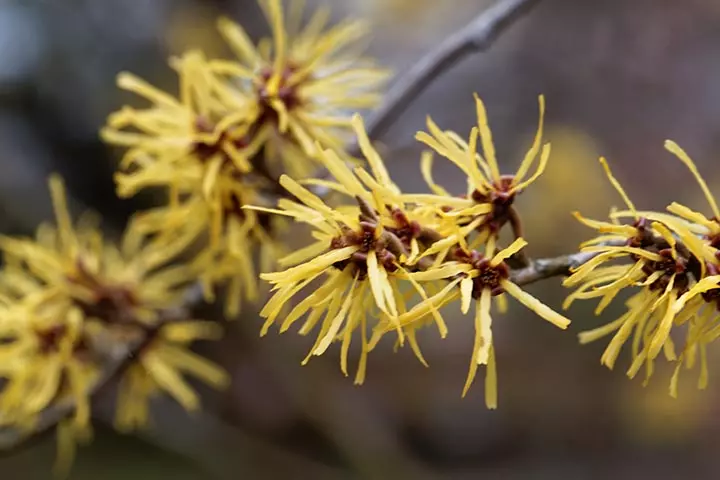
(520, 259)
(476, 36)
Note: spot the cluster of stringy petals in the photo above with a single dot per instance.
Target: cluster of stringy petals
(71, 302)
(490, 195)
(234, 128)
(304, 85)
(386, 262)
(671, 261)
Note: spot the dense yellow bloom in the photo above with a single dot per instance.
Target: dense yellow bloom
(656, 267)
(184, 140)
(159, 367)
(229, 258)
(304, 82)
(130, 281)
(490, 195)
(477, 278)
(362, 251)
(45, 359)
(218, 142)
(358, 265)
(672, 258)
(391, 253)
(199, 148)
(70, 300)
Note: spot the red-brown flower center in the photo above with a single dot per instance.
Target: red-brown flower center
(501, 197)
(204, 151)
(111, 303)
(288, 94)
(489, 277)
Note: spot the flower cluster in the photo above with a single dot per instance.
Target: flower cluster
(234, 128)
(78, 310)
(72, 302)
(273, 124)
(673, 262)
(391, 260)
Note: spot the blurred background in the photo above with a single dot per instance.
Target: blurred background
(620, 76)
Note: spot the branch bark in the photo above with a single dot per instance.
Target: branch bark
(545, 268)
(476, 36)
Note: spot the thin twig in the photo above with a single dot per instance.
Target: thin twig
(476, 36)
(545, 268)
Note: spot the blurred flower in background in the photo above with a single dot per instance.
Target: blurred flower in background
(619, 76)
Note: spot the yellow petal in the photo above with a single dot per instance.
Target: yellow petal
(239, 41)
(491, 388)
(486, 138)
(597, 333)
(466, 287)
(313, 267)
(375, 278)
(685, 158)
(704, 285)
(412, 340)
(508, 252)
(485, 324)
(532, 153)
(376, 163)
(472, 371)
(336, 322)
(617, 185)
(544, 157)
(426, 160)
(535, 305)
(171, 381)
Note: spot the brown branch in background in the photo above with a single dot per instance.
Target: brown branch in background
(544, 268)
(476, 36)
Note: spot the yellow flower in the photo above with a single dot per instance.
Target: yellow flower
(478, 278)
(70, 300)
(203, 149)
(159, 367)
(186, 138)
(363, 251)
(359, 258)
(236, 236)
(672, 260)
(46, 360)
(303, 82)
(125, 284)
(195, 146)
(181, 142)
(490, 195)
(347, 254)
(656, 266)
(711, 225)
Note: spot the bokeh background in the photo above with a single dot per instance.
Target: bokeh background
(620, 76)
